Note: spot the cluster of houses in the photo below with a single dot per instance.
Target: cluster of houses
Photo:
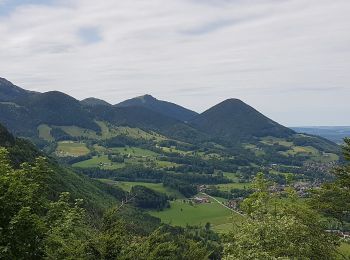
(302, 188)
(104, 164)
(319, 167)
(200, 200)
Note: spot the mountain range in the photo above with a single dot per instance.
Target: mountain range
(236, 127)
(22, 111)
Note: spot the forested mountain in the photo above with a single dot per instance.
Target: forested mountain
(26, 113)
(10, 92)
(91, 102)
(234, 119)
(163, 107)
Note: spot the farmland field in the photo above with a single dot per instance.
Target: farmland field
(79, 132)
(68, 148)
(134, 151)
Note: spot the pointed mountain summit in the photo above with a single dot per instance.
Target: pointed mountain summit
(235, 119)
(163, 107)
(91, 102)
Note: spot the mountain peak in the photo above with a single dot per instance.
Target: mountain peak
(91, 102)
(147, 98)
(162, 107)
(235, 119)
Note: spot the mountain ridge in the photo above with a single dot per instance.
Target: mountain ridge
(163, 107)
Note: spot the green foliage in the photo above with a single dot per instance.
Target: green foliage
(333, 199)
(168, 243)
(279, 228)
(68, 233)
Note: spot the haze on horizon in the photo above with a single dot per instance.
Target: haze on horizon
(290, 59)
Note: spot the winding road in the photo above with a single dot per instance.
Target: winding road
(222, 204)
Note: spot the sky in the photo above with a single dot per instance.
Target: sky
(289, 59)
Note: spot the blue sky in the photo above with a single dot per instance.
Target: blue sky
(8, 6)
(289, 59)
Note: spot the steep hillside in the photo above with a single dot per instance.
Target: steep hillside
(163, 107)
(97, 196)
(234, 119)
(9, 92)
(133, 116)
(146, 119)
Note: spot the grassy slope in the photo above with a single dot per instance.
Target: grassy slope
(44, 132)
(97, 161)
(95, 194)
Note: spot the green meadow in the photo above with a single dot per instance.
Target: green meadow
(183, 213)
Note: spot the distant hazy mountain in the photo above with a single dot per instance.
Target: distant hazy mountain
(333, 133)
(162, 107)
(233, 118)
(91, 101)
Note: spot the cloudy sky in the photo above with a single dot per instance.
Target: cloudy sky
(290, 59)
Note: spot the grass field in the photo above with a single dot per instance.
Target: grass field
(111, 131)
(79, 132)
(344, 248)
(44, 133)
(99, 161)
(274, 140)
(68, 148)
(231, 175)
(125, 185)
(181, 214)
(134, 151)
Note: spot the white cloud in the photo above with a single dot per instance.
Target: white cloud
(290, 58)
